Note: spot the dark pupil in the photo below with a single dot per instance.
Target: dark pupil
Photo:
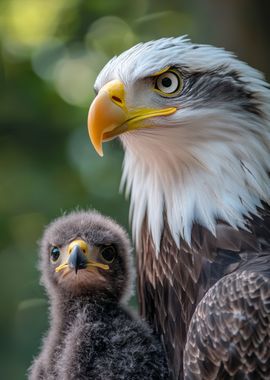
(108, 254)
(55, 253)
(166, 82)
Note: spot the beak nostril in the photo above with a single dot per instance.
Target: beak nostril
(116, 99)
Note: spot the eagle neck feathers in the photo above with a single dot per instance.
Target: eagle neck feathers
(199, 182)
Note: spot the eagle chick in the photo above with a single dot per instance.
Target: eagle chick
(86, 269)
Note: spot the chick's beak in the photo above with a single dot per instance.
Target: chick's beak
(77, 259)
(78, 255)
(109, 115)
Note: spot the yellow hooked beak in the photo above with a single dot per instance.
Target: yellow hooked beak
(109, 116)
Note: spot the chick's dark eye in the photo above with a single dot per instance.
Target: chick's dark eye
(55, 253)
(108, 254)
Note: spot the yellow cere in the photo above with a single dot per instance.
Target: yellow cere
(81, 243)
(116, 91)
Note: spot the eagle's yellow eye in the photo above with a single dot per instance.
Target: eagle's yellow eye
(168, 83)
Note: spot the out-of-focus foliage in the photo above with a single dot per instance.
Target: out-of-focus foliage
(50, 54)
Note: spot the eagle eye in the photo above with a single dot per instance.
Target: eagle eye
(168, 83)
(108, 254)
(55, 253)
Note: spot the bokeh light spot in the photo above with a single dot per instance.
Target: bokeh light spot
(111, 35)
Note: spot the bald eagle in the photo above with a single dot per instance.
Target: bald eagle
(195, 125)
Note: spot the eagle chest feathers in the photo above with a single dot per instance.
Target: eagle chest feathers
(171, 285)
(194, 122)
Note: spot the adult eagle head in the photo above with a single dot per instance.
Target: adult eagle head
(195, 125)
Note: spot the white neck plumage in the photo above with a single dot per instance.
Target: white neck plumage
(213, 164)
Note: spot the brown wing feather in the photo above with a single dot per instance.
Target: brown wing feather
(229, 334)
(171, 284)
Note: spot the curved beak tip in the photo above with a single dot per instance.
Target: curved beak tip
(99, 150)
(95, 137)
(97, 144)
(77, 259)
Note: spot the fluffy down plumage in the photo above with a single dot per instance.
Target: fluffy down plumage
(92, 335)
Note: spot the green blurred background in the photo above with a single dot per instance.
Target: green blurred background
(50, 54)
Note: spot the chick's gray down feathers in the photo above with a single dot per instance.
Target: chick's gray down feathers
(92, 335)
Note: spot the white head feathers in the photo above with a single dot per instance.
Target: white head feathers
(209, 160)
